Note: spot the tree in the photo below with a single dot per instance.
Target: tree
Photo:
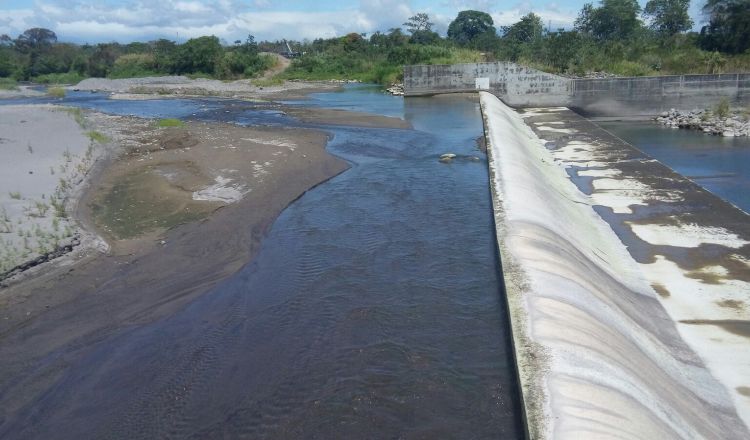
(35, 39)
(420, 28)
(198, 55)
(525, 31)
(728, 29)
(419, 22)
(469, 26)
(613, 20)
(668, 17)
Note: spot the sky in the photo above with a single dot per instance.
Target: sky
(96, 21)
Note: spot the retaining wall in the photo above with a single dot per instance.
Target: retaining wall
(521, 86)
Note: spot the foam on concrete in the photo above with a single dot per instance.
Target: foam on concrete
(598, 355)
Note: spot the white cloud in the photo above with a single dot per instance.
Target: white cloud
(93, 21)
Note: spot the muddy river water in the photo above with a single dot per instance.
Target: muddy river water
(374, 310)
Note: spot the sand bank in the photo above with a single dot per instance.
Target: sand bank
(181, 86)
(47, 153)
(181, 208)
(620, 331)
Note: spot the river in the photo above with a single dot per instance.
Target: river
(374, 309)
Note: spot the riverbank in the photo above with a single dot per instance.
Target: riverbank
(41, 177)
(181, 86)
(733, 125)
(628, 285)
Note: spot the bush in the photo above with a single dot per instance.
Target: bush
(134, 65)
(56, 92)
(722, 108)
(59, 78)
(8, 84)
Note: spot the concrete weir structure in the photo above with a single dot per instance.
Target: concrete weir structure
(521, 86)
(628, 285)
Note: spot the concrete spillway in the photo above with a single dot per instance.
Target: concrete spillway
(628, 285)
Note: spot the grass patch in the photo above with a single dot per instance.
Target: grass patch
(56, 92)
(59, 78)
(267, 82)
(8, 84)
(15, 195)
(96, 136)
(77, 114)
(169, 122)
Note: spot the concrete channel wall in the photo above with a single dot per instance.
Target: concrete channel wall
(521, 86)
(619, 328)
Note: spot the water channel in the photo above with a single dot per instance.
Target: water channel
(374, 309)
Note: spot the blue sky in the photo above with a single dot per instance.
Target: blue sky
(96, 21)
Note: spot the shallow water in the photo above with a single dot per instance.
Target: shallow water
(719, 164)
(373, 310)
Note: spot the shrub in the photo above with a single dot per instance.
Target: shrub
(722, 108)
(56, 92)
(8, 84)
(96, 136)
(134, 65)
(58, 78)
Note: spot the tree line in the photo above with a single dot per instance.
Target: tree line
(615, 36)
(618, 36)
(37, 55)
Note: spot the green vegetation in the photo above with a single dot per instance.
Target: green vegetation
(8, 84)
(379, 59)
(59, 78)
(722, 108)
(142, 201)
(170, 122)
(77, 114)
(614, 36)
(56, 92)
(96, 136)
(15, 195)
(37, 56)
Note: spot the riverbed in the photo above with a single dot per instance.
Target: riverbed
(374, 308)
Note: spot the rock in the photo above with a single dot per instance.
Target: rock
(728, 133)
(447, 157)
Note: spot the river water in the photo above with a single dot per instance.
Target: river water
(373, 310)
(720, 165)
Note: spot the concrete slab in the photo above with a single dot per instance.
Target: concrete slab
(628, 284)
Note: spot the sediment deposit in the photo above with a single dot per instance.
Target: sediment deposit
(628, 285)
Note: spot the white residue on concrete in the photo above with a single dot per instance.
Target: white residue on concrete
(686, 235)
(599, 356)
(556, 130)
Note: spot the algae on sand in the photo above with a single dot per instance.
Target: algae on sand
(143, 201)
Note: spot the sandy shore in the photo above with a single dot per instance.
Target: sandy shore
(20, 92)
(40, 176)
(181, 86)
